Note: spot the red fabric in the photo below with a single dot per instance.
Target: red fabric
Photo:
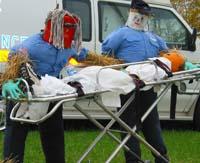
(47, 30)
(67, 31)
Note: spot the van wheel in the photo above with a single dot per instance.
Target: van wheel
(196, 116)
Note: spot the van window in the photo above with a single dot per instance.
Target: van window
(81, 8)
(163, 22)
(166, 25)
(111, 16)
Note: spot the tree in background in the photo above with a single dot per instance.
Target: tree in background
(190, 10)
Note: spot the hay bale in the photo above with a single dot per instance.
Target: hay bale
(100, 60)
(13, 66)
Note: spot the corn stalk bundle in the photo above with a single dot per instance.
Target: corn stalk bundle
(100, 60)
(13, 66)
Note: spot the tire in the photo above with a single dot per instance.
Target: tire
(196, 116)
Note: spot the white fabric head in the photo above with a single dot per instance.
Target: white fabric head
(137, 21)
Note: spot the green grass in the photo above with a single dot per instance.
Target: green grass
(183, 147)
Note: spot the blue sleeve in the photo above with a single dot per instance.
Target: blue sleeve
(111, 44)
(15, 49)
(68, 52)
(83, 54)
(162, 43)
(27, 44)
(72, 53)
(64, 55)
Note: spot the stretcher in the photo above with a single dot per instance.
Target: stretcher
(166, 84)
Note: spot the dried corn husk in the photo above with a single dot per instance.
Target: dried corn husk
(100, 60)
(8, 161)
(13, 66)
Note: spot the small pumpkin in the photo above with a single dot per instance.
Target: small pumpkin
(176, 58)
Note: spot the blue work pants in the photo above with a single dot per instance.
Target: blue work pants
(150, 128)
(51, 134)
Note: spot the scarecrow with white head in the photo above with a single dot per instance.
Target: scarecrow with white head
(138, 15)
(133, 43)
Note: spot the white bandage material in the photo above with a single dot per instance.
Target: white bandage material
(117, 82)
(48, 86)
(88, 85)
(148, 72)
(109, 79)
(51, 86)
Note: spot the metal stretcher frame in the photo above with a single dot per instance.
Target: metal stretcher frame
(132, 132)
(177, 77)
(69, 97)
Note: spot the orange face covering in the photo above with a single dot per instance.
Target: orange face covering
(69, 29)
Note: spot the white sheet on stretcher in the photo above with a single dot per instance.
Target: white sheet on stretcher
(49, 86)
(118, 82)
(109, 79)
(147, 72)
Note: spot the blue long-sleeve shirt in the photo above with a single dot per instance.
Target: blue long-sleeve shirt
(45, 57)
(132, 46)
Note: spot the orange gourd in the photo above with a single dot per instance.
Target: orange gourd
(177, 60)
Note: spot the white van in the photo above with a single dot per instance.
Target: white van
(21, 18)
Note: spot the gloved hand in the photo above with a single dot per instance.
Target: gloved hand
(11, 89)
(190, 66)
(83, 54)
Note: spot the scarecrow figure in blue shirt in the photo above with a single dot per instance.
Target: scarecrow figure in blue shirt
(133, 43)
(49, 52)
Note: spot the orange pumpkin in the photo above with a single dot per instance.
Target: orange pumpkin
(177, 60)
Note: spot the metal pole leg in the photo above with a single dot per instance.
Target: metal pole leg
(105, 129)
(132, 131)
